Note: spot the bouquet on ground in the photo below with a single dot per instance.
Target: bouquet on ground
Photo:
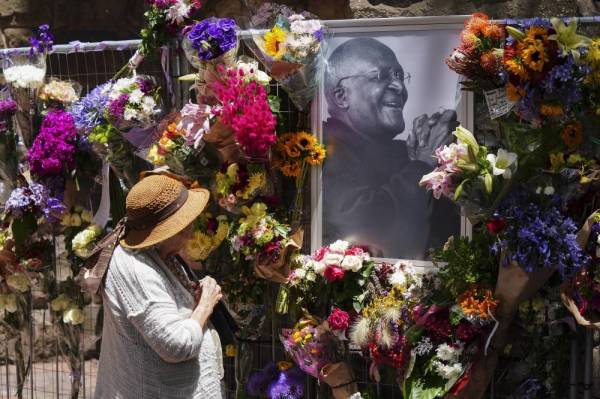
(291, 49)
(276, 381)
(237, 184)
(209, 234)
(479, 55)
(470, 176)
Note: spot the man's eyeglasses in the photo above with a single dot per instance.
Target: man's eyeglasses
(386, 76)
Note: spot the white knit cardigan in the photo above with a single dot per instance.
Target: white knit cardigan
(150, 346)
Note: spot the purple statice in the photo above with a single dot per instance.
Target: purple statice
(288, 385)
(116, 108)
(42, 42)
(8, 107)
(538, 235)
(213, 37)
(53, 150)
(89, 111)
(33, 199)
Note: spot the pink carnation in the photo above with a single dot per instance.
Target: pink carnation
(320, 253)
(334, 273)
(339, 319)
(355, 251)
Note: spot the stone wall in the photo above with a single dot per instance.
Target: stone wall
(93, 20)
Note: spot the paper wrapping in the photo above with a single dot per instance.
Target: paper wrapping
(279, 270)
(339, 375)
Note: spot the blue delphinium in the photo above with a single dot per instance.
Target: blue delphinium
(89, 111)
(42, 42)
(538, 235)
(213, 37)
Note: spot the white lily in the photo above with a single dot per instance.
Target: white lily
(502, 163)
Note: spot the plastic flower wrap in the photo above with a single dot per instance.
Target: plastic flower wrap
(209, 233)
(162, 22)
(259, 236)
(291, 49)
(27, 71)
(538, 235)
(244, 109)
(208, 45)
(83, 243)
(479, 55)
(471, 176)
(133, 102)
(545, 74)
(175, 148)
(58, 93)
(311, 346)
(237, 184)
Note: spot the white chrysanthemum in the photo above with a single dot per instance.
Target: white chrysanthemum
(339, 246)
(130, 114)
(398, 278)
(18, 281)
(73, 316)
(148, 105)
(300, 273)
(359, 332)
(423, 347)
(25, 76)
(448, 353)
(305, 26)
(448, 372)
(60, 303)
(135, 97)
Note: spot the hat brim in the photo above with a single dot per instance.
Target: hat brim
(191, 209)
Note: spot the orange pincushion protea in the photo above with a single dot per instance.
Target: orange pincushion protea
(478, 302)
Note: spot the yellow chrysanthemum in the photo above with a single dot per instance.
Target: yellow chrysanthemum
(551, 110)
(516, 68)
(274, 42)
(557, 160)
(593, 54)
(534, 56)
(154, 157)
(255, 182)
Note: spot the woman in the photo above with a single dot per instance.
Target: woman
(157, 341)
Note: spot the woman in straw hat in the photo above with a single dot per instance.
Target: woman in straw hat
(157, 340)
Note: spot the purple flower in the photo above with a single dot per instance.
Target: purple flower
(8, 107)
(145, 85)
(88, 112)
(34, 199)
(213, 37)
(53, 150)
(288, 385)
(117, 107)
(538, 235)
(42, 43)
(259, 381)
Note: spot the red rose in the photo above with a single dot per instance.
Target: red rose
(320, 254)
(495, 225)
(339, 319)
(334, 273)
(466, 332)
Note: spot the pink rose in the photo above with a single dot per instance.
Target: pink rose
(339, 319)
(355, 251)
(334, 273)
(320, 254)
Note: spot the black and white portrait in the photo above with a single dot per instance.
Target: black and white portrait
(388, 101)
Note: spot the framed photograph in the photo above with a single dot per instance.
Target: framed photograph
(386, 102)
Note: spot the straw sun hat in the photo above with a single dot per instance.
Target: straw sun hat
(158, 207)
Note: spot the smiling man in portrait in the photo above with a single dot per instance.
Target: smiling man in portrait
(370, 179)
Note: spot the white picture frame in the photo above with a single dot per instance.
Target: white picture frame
(464, 108)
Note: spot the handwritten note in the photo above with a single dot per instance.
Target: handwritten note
(497, 102)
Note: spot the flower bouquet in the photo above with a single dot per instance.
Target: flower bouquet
(211, 47)
(277, 380)
(244, 117)
(209, 233)
(291, 49)
(59, 93)
(83, 243)
(24, 74)
(479, 55)
(292, 155)
(470, 176)
(132, 102)
(238, 184)
(545, 74)
(181, 150)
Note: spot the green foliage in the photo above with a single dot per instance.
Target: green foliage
(467, 262)
(155, 33)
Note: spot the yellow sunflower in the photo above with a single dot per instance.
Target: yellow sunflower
(534, 56)
(274, 42)
(516, 68)
(551, 110)
(291, 169)
(572, 134)
(317, 156)
(537, 33)
(305, 140)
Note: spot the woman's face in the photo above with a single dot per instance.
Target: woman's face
(176, 243)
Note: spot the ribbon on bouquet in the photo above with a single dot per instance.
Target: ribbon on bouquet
(166, 67)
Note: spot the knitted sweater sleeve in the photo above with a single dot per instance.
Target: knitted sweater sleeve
(139, 288)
